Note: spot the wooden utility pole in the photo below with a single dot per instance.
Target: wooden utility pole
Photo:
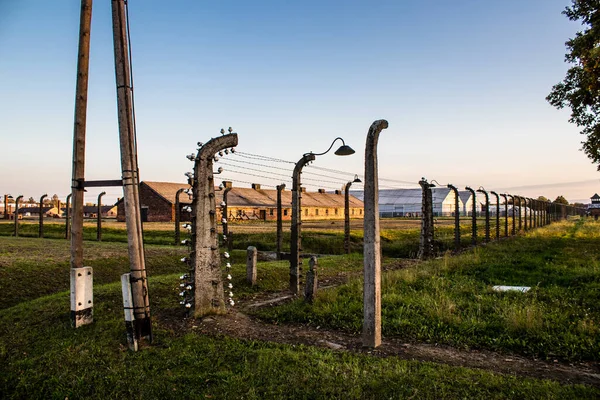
(130, 173)
(81, 312)
(372, 242)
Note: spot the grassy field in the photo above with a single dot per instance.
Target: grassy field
(399, 236)
(448, 300)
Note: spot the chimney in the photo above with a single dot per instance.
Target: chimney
(227, 184)
(321, 190)
(338, 192)
(302, 190)
(256, 186)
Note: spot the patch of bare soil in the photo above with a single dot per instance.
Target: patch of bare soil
(239, 325)
(236, 323)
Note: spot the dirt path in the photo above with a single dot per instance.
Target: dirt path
(239, 325)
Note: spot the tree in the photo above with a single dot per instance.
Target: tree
(580, 89)
(543, 198)
(561, 200)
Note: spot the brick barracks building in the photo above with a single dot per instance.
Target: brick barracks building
(158, 203)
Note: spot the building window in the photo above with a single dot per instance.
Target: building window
(353, 211)
(336, 211)
(285, 211)
(271, 211)
(361, 211)
(316, 211)
(306, 212)
(327, 211)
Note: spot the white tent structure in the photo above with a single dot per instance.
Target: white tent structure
(408, 202)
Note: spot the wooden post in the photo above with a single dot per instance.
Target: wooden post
(99, 218)
(296, 231)
(372, 246)
(130, 173)
(205, 257)
(251, 258)
(78, 173)
(520, 221)
(17, 215)
(41, 227)
(310, 289)
(280, 188)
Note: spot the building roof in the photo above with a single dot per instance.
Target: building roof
(168, 190)
(464, 196)
(595, 197)
(248, 197)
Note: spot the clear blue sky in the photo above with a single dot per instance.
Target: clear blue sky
(461, 83)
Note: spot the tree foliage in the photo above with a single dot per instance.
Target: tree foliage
(561, 200)
(543, 198)
(580, 89)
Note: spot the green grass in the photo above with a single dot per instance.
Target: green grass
(31, 268)
(450, 300)
(441, 301)
(42, 357)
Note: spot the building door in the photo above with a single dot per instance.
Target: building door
(144, 213)
(263, 214)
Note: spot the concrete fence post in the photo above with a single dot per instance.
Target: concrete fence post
(17, 200)
(205, 256)
(372, 242)
(280, 188)
(68, 217)
(456, 217)
(473, 216)
(505, 214)
(99, 218)
(251, 258)
(178, 216)
(41, 227)
(514, 221)
(426, 242)
(497, 214)
(310, 289)
(487, 214)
